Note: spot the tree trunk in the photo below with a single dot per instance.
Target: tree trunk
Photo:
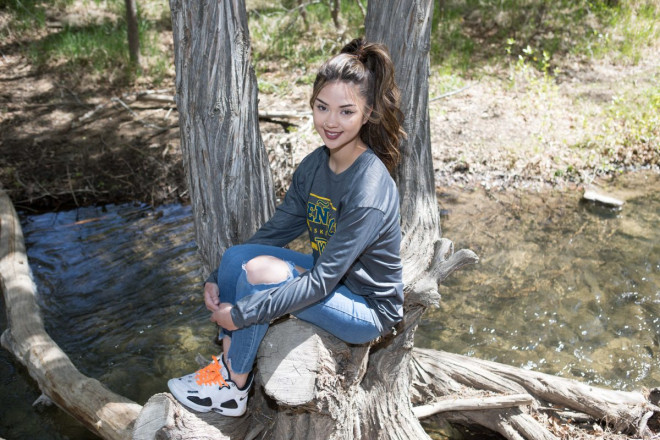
(133, 32)
(386, 385)
(409, 48)
(335, 9)
(216, 93)
(371, 402)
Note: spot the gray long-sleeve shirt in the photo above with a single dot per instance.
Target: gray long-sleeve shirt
(354, 229)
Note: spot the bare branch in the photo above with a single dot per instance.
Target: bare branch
(474, 404)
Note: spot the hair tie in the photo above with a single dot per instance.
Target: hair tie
(361, 55)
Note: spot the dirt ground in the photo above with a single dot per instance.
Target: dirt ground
(68, 141)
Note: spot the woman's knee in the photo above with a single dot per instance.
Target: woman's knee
(232, 257)
(266, 269)
(235, 256)
(238, 251)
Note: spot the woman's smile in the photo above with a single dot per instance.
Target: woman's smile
(332, 135)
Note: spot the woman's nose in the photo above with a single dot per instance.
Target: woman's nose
(330, 122)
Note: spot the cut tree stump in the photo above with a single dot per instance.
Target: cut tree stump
(302, 369)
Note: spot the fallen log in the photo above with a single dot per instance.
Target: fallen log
(103, 412)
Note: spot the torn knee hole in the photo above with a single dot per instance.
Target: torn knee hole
(266, 269)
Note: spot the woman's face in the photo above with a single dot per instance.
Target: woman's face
(339, 115)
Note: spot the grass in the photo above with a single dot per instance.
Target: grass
(98, 46)
(533, 40)
(93, 42)
(286, 37)
(625, 31)
(26, 14)
(469, 34)
(631, 133)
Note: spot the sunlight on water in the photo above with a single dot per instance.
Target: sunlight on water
(563, 287)
(119, 289)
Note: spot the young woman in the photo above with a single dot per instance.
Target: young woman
(343, 195)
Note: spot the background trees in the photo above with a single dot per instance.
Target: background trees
(133, 31)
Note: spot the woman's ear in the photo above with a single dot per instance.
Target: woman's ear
(366, 115)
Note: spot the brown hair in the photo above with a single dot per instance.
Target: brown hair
(368, 65)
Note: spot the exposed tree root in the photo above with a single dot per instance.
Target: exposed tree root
(442, 375)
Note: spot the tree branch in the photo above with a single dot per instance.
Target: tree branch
(474, 404)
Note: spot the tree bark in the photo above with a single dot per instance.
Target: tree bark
(133, 32)
(216, 93)
(335, 9)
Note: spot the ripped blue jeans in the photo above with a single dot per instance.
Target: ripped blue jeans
(342, 313)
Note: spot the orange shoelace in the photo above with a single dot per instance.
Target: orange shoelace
(211, 374)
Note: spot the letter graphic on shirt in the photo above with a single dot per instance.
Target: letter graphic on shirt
(321, 221)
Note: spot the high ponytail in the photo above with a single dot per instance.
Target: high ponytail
(368, 65)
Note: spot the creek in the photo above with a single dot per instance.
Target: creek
(563, 286)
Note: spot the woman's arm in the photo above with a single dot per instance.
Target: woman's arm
(358, 229)
(282, 228)
(289, 220)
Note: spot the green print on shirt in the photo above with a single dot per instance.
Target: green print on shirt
(321, 221)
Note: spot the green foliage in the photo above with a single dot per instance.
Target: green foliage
(94, 42)
(626, 29)
(468, 34)
(530, 38)
(531, 69)
(98, 46)
(296, 37)
(630, 133)
(25, 13)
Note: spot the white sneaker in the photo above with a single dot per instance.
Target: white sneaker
(210, 389)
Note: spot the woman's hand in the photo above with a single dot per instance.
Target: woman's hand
(222, 317)
(212, 296)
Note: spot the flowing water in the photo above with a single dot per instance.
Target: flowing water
(563, 287)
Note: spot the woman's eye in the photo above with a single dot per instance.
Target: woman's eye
(321, 107)
(348, 112)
